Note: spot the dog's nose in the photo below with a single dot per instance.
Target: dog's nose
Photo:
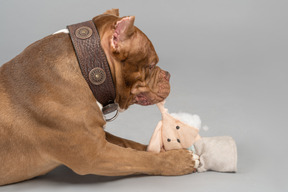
(167, 75)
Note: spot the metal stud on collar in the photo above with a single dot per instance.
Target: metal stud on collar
(97, 76)
(83, 32)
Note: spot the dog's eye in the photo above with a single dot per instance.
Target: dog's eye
(178, 140)
(168, 140)
(177, 127)
(151, 67)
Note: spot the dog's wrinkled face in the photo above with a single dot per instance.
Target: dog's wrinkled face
(148, 84)
(133, 58)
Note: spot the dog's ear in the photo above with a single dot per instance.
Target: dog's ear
(156, 142)
(124, 29)
(112, 12)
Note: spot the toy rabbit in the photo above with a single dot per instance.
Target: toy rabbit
(176, 131)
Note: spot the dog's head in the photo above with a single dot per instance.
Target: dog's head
(133, 61)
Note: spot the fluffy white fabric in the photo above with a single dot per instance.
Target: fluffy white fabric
(192, 120)
(205, 128)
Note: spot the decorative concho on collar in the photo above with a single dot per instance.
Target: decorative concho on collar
(94, 65)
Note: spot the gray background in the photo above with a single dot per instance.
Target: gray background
(228, 61)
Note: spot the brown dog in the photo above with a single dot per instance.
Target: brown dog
(49, 116)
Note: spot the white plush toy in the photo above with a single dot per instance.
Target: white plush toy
(176, 131)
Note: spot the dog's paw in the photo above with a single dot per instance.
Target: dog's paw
(178, 162)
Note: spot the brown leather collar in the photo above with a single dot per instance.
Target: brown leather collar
(94, 65)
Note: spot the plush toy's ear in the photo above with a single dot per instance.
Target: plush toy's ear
(156, 143)
(161, 107)
(112, 12)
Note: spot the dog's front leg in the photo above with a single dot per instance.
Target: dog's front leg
(92, 154)
(119, 161)
(125, 142)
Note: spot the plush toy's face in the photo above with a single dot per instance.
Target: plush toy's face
(172, 133)
(177, 135)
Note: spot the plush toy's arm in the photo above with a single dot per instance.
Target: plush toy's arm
(156, 143)
(161, 107)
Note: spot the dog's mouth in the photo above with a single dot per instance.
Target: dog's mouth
(147, 99)
(154, 92)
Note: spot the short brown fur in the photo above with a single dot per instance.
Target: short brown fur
(49, 117)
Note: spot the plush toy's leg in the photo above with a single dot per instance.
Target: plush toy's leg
(217, 154)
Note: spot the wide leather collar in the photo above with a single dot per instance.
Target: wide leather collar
(94, 65)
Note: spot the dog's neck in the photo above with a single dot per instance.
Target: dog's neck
(94, 65)
(105, 36)
(106, 29)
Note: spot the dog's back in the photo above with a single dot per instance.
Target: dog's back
(20, 133)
